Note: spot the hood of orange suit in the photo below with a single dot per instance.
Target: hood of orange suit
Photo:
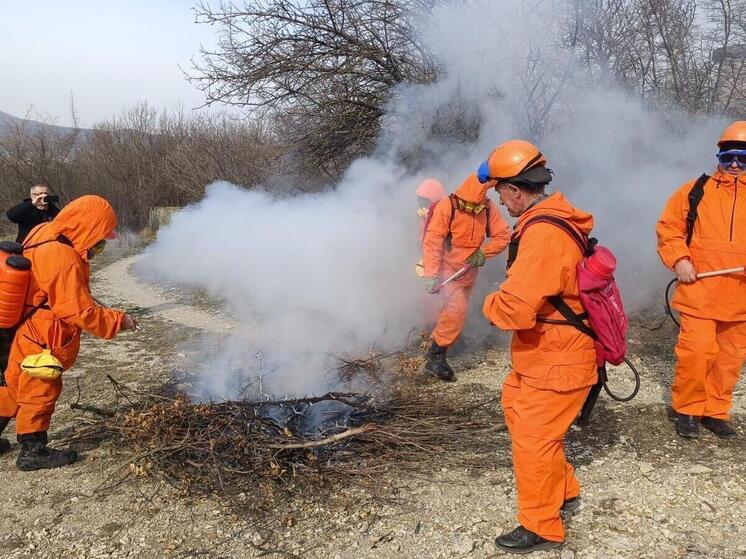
(85, 221)
(471, 190)
(557, 205)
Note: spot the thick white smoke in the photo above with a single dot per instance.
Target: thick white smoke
(330, 273)
(313, 276)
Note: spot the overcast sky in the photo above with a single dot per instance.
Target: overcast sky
(110, 54)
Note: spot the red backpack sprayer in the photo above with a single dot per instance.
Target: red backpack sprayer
(604, 319)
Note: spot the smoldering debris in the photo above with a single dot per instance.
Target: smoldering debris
(259, 447)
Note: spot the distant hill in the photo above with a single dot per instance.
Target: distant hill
(8, 122)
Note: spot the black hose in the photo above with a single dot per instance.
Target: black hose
(634, 392)
(669, 311)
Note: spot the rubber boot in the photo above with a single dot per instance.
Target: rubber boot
(436, 364)
(4, 443)
(36, 455)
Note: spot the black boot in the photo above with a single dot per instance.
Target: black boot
(36, 455)
(572, 506)
(4, 444)
(687, 426)
(458, 347)
(436, 364)
(720, 427)
(522, 542)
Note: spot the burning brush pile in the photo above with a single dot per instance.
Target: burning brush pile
(241, 446)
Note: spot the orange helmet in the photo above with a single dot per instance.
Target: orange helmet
(431, 189)
(512, 159)
(736, 132)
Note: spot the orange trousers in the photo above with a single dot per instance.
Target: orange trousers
(455, 308)
(30, 400)
(538, 421)
(709, 357)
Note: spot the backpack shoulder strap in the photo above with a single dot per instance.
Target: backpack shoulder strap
(581, 240)
(571, 317)
(452, 197)
(695, 197)
(59, 239)
(428, 219)
(487, 230)
(448, 242)
(42, 305)
(584, 243)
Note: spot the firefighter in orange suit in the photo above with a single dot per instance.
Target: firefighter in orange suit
(62, 306)
(553, 364)
(458, 227)
(712, 342)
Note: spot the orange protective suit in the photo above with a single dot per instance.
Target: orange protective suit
(61, 275)
(467, 233)
(712, 342)
(554, 365)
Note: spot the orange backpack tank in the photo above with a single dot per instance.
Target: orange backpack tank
(15, 277)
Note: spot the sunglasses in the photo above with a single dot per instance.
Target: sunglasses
(726, 158)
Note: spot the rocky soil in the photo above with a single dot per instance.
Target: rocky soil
(647, 492)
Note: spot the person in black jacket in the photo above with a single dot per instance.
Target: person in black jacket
(33, 211)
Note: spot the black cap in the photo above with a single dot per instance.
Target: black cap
(536, 176)
(727, 146)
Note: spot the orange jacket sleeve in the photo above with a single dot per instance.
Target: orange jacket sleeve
(544, 264)
(499, 231)
(99, 321)
(433, 243)
(671, 228)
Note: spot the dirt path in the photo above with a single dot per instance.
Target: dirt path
(648, 493)
(118, 282)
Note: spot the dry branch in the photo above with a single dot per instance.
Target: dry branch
(232, 447)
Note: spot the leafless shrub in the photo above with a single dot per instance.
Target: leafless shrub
(138, 160)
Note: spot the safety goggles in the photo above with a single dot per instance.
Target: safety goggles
(99, 247)
(726, 158)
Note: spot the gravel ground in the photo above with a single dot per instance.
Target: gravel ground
(647, 492)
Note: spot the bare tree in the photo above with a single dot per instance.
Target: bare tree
(323, 68)
(33, 152)
(665, 50)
